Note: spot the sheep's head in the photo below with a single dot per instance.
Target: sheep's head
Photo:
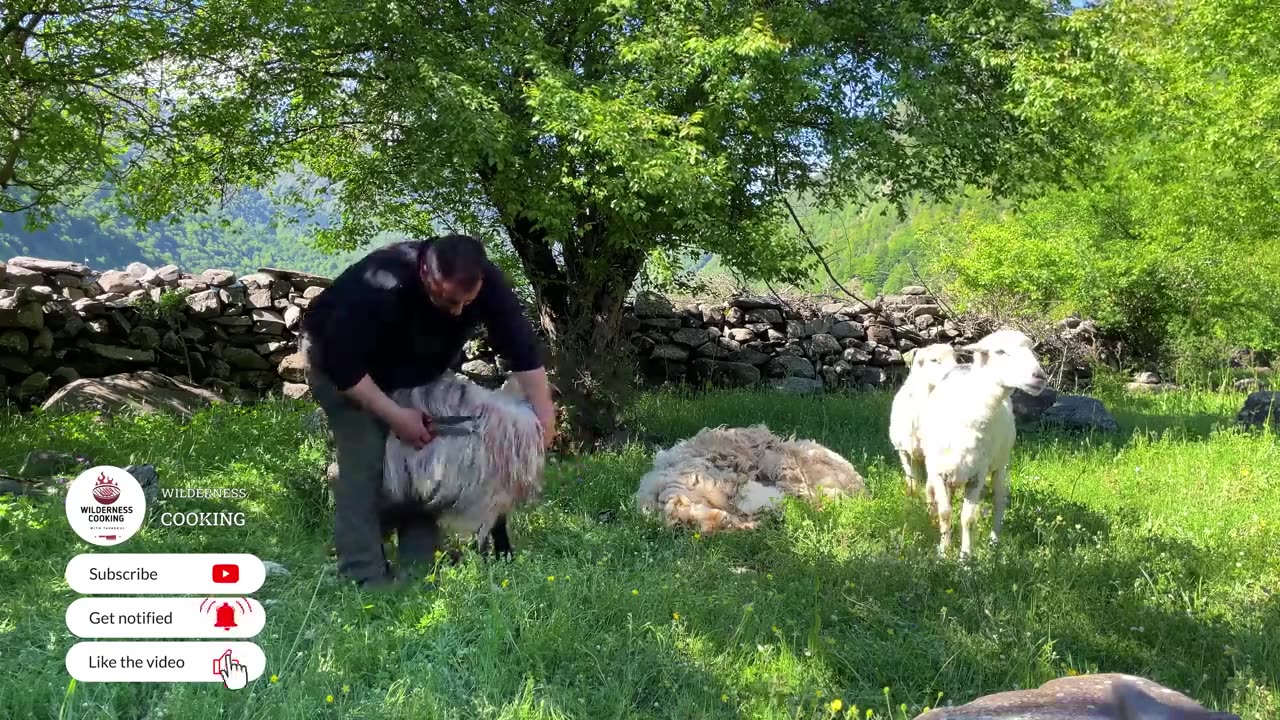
(931, 362)
(1009, 355)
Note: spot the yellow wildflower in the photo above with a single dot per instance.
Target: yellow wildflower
(675, 616)
(836, 705)
(551, 578)
(328, 699)
(1072, 672)
(506, 583)
(275, 678)
(346, 689)
(635, 592)
(724, 698)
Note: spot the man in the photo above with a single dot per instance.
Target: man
(398, 318)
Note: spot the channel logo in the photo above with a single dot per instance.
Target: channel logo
(105, 505)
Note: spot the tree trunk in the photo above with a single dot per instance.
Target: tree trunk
(580, 309)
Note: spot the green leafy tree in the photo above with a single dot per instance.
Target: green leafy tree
(79, 93)
(596, 135)
(1174, 245)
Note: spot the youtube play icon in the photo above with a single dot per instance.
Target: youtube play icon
(226, 573)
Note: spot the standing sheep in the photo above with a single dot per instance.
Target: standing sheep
(928, 366)
(474, 480)
(967, 430)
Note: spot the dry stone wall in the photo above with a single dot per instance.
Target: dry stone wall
(60, 321)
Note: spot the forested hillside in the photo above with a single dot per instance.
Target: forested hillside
(248, 233)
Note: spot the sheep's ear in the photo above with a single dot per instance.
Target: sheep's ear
(980, 355)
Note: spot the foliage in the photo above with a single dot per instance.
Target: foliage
(591, 134)
(1151, 552)
(1176, 241)
(79, 92)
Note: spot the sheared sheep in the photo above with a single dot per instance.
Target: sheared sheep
(470, 481)
(967, 430)
(720, 478)
(928, 365)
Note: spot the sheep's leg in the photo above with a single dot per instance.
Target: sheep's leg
(969, 513)
(501, 541)
(942, 501)
(911, 470)
(999, 500)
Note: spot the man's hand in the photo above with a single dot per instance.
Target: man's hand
(410, 425)
(548, 419)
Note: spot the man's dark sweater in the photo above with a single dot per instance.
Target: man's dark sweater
(377, 319)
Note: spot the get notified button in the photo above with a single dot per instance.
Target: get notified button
(165, 574)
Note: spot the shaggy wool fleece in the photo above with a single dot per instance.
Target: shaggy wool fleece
(722, 478)
(469, 479)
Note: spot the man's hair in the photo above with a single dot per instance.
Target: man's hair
(459, 258)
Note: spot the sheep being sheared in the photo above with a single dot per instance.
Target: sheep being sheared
(967, 430)
(722, 477)
(928, 365)
(470, 481)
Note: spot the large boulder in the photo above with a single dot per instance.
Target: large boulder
(1079, 412)
(49, 267)
(1260, 408)
(1109, 696)
(144, 391)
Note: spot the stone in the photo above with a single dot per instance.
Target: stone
(662, 323)
(63, 375)
(296, 391)
(14, 342)
(16, 313)
(147, 477)
(797, 385)
(1142, 388)
(259, 297)
(848, 329)
(1260, 408)
(275, 569)
(1248, 385)
(217, 278)
(791, 366)
(915, 290)
(119, 281)
(735, 317)
(856, 356)
(268, 322)
(204, 304)
(649, 304)
(670, 353)
(823, 345)
(192, 285)
(312, 293)
(51, 267)
(168, 275)
(881, 334)
(42, 343)
(1079, 412)
(1028, 408)
(144, 337)
(719, 372)
(765, 315)
(16, 364)
(32, 386)
(691, 337)
(741, 335)
(144, 391)
(293, 368)
(22, 277)
(120, 354)
(244, 359)
(4, 271)
(881, 355)
(64, 281)
(234, 321)
(1108, 696)
(50, 463)
(754, 302)
(480, 369)
(292, 317)
(1147, 378)
(750, 356)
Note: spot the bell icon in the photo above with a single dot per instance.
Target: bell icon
(226, 617)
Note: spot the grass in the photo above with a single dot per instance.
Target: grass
(1151, 552)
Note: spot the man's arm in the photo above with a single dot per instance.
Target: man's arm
(512, 336)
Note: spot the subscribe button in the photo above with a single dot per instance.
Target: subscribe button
(165, 574)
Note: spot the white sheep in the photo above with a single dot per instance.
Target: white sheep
(967, 430)
(928, 365)
(722, 477)
(470, 481)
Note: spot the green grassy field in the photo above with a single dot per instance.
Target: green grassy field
(1151, 552)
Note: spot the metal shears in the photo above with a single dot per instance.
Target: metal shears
(453, 424)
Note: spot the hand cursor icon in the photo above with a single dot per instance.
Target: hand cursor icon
(234, 674)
